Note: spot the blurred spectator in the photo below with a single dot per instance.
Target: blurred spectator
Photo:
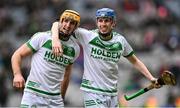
(149, 38)
(3, 88)
(171, 100)
(177, 102)
(151, 102)
(175, 69)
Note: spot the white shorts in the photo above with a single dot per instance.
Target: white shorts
(93, 100)
(33, 100)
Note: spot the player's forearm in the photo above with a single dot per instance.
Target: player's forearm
(55, 31)
(143, 69)
(65, 82)
(140, 67)
(16, 62)
(64, 87)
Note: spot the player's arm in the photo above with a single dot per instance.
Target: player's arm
(139, 65)
(16, 60)
(56, 45)
(65, 81)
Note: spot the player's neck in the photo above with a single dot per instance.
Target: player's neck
(63, 36)
(105, 37)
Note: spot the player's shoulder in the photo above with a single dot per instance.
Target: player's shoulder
(83, 30)
(73, 39)
(94, 32)
(79, 29)
(118, 35)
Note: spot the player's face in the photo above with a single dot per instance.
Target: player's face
(104, 24)
(67, 26)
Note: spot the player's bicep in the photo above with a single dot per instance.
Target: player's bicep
(24, 50)
(133, 59)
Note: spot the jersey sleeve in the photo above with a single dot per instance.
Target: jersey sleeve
(36, 41)
(128, 51)
(81, 34)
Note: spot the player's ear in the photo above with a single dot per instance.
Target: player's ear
(113, 24)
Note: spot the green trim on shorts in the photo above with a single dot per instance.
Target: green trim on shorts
(24, 106)
(99, 89)
(90, 103)
(33, 106)
(42, 92)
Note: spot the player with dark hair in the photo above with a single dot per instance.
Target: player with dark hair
(48, 80)
(102, 50)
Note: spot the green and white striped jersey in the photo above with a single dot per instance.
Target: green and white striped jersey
(47, 70)
(101, 61)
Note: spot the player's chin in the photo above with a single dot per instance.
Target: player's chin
(104, 31)
(65, 32)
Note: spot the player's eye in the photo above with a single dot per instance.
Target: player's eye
(104, 20)
(72, 22)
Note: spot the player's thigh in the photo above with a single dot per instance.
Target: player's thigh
(31, 100)
(92, 100)
(56, 102)
(113, 102)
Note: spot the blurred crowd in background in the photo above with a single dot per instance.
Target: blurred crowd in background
(152, 27)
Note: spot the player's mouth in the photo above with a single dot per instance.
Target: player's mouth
(104, 30)
(66, 31)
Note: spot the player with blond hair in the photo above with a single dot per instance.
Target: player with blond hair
(48, 80)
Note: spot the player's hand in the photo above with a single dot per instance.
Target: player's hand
(18, 81)
(57, 48)
(155, 83)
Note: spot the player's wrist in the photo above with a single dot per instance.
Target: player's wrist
(17, 73)
(152, 79)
